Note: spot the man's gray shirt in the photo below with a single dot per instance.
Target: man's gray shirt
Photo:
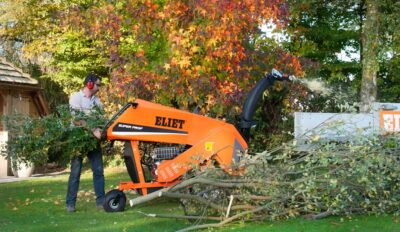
(78, 101)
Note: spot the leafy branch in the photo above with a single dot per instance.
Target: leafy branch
(52, 138)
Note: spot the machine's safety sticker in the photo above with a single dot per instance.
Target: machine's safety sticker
(209, 146)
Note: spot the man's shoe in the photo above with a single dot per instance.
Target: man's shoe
(71, 208)
(100, 207)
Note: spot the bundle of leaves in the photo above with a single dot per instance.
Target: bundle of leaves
(52, 138)
(357, 176)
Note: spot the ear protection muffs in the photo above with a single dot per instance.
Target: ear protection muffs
(90, 81)
(90, 84)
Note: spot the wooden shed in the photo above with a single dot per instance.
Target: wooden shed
(19, 93)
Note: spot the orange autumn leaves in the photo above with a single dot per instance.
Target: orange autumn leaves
(187, 52)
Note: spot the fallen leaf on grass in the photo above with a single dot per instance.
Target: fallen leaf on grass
(15, 209)
(27, 201)
(81, 193)
(32, 190)
(335, 223)
(93, 222)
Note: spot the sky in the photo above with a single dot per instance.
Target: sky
(348, 54)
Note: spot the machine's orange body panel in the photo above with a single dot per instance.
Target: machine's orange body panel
(207, 138)
(181, 127)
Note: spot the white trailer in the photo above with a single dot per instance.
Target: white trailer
(384, 118)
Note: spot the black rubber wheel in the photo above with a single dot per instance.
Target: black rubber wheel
(115, 201)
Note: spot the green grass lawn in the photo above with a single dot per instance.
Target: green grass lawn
(38, 205)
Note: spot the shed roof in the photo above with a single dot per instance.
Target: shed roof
(13, 78)
(11, 74)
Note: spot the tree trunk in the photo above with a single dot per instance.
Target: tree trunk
(370, 66)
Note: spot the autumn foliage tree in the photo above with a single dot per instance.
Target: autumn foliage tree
(186, 53)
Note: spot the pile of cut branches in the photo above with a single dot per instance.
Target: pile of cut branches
(358, 176)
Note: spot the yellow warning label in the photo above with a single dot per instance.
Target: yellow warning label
(209, 146)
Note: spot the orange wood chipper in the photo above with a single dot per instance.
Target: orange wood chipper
(191, 140)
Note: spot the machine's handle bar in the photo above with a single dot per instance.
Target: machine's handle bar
(122, 110)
